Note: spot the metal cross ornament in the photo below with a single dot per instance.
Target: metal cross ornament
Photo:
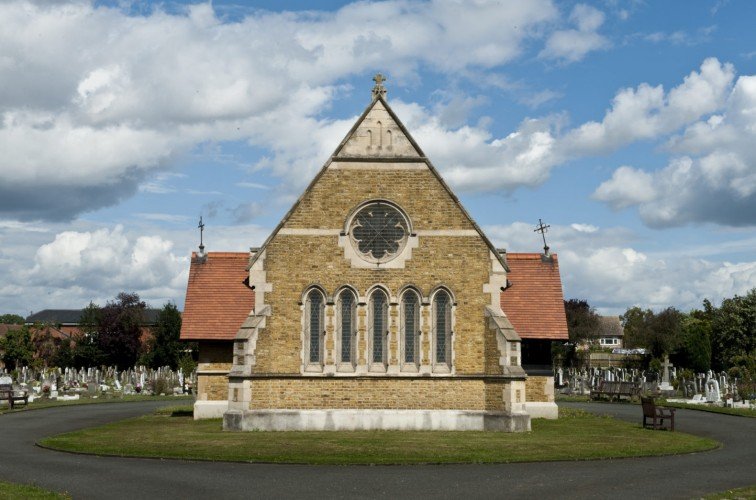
(543, 229)
(201, 227)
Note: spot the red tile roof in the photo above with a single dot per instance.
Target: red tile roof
(535, 303)
(218, 299)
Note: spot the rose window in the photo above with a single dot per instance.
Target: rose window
(379, 232)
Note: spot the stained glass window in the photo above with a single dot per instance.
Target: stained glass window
(379, 324)
(379, 232)
(442, 326)
(411, 326)
(314, 309)
(347, 305)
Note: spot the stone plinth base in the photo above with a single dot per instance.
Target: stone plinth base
(209, 409)
(354, 420)
(538, 409)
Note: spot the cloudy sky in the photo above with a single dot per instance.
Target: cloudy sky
(628, 126)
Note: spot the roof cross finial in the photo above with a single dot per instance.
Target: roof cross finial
(201, 227)
(379, 89)
(543, 229)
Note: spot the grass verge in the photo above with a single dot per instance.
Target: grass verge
(577, 435)
(740, 412)
(38, 405)
(749, 492)
(12, 491)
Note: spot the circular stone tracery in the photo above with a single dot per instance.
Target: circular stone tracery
(378, 232)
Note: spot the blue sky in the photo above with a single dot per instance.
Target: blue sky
(630, 127)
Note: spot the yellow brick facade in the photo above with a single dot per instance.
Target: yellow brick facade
(444, 249)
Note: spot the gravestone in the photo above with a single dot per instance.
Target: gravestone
(712, 391)
(665, 386)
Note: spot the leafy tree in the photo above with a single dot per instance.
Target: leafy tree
(11, 319)
(46, 345)
(695, 345)
(165, 348)
(17, 347)
(660, 332)
(582, 321)
(120, 330)
(635, 323)
(734, 330)
(664, 332)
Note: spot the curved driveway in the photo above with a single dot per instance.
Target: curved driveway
(684, 476)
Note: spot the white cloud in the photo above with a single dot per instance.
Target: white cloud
(70, 268)
(574, 44)
(646, 112)
(713, 179)
(604, 267)
(100, 100)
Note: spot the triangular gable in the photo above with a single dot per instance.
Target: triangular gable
(356, 140)
(378, 133)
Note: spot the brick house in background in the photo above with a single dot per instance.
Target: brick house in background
(376, 303)
(64, 323)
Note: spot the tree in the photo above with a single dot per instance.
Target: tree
(83, 350)
(120, 330)
(695, 346)
(17, 347)
(734, 330)
(11, 319)
(165, 348)
(635, 323)
(582, 321)
(46, 345)
(664, 332)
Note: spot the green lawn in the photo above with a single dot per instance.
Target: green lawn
(41, 403)
(12, 491)
(576, 435)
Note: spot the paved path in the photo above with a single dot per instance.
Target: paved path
(685, 476)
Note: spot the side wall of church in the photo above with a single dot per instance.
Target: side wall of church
(213, 366)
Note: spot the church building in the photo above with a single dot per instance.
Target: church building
(376, 303)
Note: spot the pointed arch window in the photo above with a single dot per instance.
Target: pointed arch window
(410, 325)
(314, 315)
(378, 326)
(442, 328)
(346, 325)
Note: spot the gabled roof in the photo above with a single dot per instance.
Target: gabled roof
(535, 303)
(73, 316)
(413, 154)
(610, 326)
(218, 299)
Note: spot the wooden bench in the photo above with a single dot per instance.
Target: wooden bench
(657, 414)
(615, 389)
(7, 393)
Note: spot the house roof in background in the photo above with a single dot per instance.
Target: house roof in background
(610, 326)
(72, 316)
(535, 302)
(218, 298)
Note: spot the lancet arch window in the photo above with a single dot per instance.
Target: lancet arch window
(314, 309)
(346, 326)
(442, 330)
(378, 326)
(410, 330)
